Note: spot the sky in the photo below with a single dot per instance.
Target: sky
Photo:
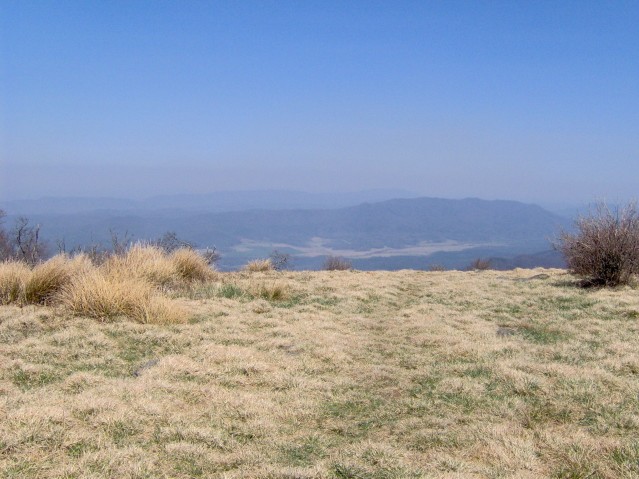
(535, 101)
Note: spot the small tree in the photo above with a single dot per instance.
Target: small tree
(27, 244)
(605, 247)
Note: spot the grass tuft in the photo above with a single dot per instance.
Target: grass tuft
(13, 277)
(48, 279)
(191, 266)
(103, 297)
(259, 265)
(270, 291)
(145, 262)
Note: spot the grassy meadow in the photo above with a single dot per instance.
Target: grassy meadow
(341, 374)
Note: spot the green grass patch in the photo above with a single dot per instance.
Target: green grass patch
(542, 334)
(304, 453)
(27, 380)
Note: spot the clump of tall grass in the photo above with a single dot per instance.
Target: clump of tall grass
(104, 297)
(144, 262)
(152, 264)
(13, 277)
(259, 265)
(125, 284)
(189, 265)
(47, 279)
(270, 291)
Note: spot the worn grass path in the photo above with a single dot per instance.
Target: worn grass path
(332, 374)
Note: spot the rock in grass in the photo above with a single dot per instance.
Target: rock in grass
(503, 332)
(149, 364)
(533, 278)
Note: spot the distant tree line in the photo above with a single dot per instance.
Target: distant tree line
(22, 242)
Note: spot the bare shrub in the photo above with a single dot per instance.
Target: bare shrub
(605, 248)
(191, 265)
(28, 246)
(170, 242)
(22, 243)
(259, 265)
(436, 267)
(210, 255)
(480, 264)
(337, 263)
(13, 277)
(280, 261)
(95, 252)
(120, 244)
(6, 249)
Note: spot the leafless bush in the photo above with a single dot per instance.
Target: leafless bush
(480, 265)
(210, 255)
(94, 251)
(605, 248)
(337, 263)
(6, 250)
(99, 253)
(436, 267)
(170, 242)
(279, 260)
(26, 242)
(120, 244)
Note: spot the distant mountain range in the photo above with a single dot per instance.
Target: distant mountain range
(393, 234)
(210, 203)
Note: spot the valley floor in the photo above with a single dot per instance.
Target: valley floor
(403, 374)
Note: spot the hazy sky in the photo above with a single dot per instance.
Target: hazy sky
(528, 100)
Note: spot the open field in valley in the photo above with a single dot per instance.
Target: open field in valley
(343, 374)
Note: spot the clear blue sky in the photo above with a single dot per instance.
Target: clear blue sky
(535, 101)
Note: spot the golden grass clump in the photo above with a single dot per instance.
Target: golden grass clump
(144, 262)
(191, 266)
(105, 297)
(271, 291)
(13, 277)
(259, 265)
(48, 278)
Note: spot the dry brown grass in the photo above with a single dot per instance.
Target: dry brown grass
(124, 285)
(354, 375)
(49, 278)
(103, 297)
(145, 262)
(272, 290)
(191, 266)
(259, 265)
(13, 277)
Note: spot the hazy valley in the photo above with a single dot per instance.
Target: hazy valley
(414, 233)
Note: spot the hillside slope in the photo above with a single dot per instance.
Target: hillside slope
(343, 374)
